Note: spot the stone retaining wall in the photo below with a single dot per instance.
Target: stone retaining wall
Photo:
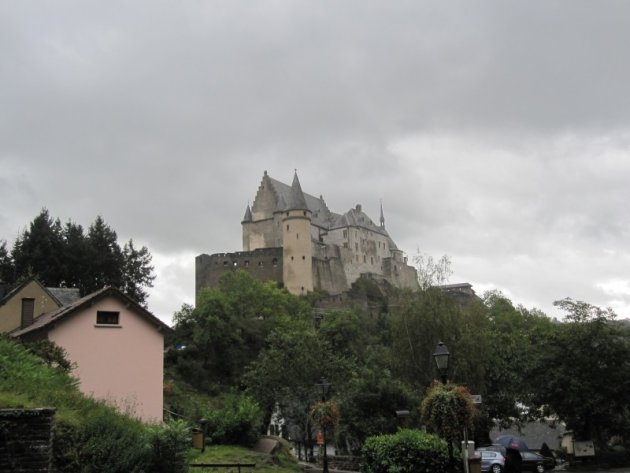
(26, 440)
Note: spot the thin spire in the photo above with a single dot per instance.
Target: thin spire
(382, 215)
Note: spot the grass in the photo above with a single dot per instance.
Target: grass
(280, 462)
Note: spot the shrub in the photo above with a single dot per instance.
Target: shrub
(237, 422)
(407, 451)
(169, 445)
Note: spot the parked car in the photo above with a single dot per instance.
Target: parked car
(536, 462)
(492, 461)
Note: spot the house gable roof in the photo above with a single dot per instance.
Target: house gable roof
(9, 295)
(55, 316)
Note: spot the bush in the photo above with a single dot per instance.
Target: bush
(237, 422)
(407, 451)
(169, 445)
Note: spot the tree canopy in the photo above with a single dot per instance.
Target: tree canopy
(65, 256)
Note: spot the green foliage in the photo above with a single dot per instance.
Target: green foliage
(227, 330)
(448, 410)
(52, 354)
(65, 256)
(169, 444)
(237, 421)
(89, 436)
(7, 269)
(583, 372)
(370, 401)
(407, 451)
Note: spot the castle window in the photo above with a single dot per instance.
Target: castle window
(357, 258)
(372, 259)
(305, 213)
(225, 263)
(291, 258)
(235, 263)
(246, 263)
(345, 233)
(345, 244)
(304, 258)
(287, 227)
(356, 247)
(297, 236)
(260, 263)
(364, 259)
(274, 262)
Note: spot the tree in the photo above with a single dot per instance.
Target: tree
(67, 257)
(137, 271)
(370, 400)
(37, 251)
(7, 268)
(287, 370)
(105, 258)
(432, 272)
(228, 328)
(584, 372)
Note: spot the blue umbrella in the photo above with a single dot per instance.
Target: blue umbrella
(510, 441)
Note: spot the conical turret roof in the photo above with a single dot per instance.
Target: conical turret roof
(248, 214)
(297, 201)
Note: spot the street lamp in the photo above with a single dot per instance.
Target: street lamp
(441, 355)
(325, 386)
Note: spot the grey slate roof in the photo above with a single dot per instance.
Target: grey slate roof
(65, 295)
(321, 215)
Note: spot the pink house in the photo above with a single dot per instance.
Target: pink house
(117, 346)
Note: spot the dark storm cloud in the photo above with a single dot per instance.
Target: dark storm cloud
(495, 131)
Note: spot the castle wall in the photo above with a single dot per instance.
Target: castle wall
(399, 274)
(263, 264)
(328, 269)
(259, 234)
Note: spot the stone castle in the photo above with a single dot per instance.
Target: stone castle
(291, 237)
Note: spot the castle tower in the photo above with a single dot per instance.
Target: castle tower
(297, 252)
(246, 223)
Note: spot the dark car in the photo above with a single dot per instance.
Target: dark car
(491, 461)
(536, 462)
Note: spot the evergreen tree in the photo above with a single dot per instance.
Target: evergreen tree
(38, 250)
(105, 258)
(64, 256)
(137, 272)
(7, 269)
(75, 255)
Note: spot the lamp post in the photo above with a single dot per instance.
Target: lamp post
(325, 386)
(441, 356)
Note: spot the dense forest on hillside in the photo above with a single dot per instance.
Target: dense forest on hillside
(249, 341)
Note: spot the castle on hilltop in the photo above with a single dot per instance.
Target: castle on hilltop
(291, 237)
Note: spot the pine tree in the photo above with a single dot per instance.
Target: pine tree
(105, 258)
(137, 272)
(38, 250)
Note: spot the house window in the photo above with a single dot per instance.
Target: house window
(28, 310)
(104, 317)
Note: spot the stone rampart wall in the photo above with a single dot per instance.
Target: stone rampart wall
(264, 264)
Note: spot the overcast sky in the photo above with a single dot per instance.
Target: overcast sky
(496, 132)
